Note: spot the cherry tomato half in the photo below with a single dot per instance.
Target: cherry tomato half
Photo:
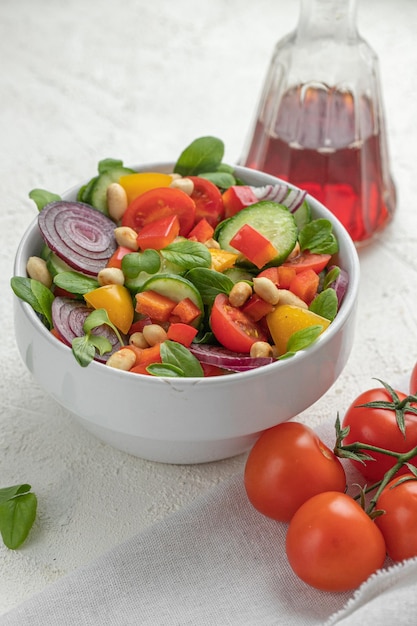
(208, 200)
(332, 544)
(157, 203)
(288, 465)
(232, 328)
(309, 260)
(378, 427)
(399, 522)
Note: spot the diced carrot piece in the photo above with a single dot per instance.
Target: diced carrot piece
(186, 311)
(154, 305)
(305, 284)
(182, 333)
(285, 276)
(202, 231)
(144, 357)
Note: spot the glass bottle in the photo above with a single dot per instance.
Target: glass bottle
(320, 122)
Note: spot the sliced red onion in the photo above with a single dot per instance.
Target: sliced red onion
(232, 361)
(281, 193)
(79, 234)
(68, 317)
(340, 284)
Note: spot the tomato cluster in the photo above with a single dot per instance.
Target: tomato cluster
(336, 541)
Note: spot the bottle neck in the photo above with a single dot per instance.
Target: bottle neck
(334, 19)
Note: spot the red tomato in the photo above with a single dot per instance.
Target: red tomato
(308, 260)
(288, 465)
(208, 201)
(159, 234)
(378, 427)
(232, 328)
(399, 522)
(157, 203)
(332, 544)
(413, 380)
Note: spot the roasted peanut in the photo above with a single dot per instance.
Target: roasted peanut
(154, 334)
(288, 297)
(266, 289)
(111, 276)
(38, 270)
(116, 201)
(240, 293)
(124, 359)
(295, 251)
(212, 243)
(260, 349)
(127, 237)
(185, 184)
(137, 339)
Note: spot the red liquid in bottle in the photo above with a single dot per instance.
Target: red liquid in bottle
(315, 147)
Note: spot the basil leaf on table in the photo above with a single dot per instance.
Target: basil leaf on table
(17, 514)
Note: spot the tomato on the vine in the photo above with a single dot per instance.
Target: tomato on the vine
(332, 544)
(398, 524)
(288, 465)
(377, 426)
(232, 328)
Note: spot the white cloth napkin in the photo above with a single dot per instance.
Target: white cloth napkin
(215, 562)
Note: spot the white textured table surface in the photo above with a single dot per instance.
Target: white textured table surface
(81, 81)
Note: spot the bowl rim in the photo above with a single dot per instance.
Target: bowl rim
(348, 304)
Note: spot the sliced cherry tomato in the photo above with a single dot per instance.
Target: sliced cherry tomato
(378, 427)
(308, 260)
(278, 472)
(157, 203)
(332, 544)
(232, 328)
(117, 301)
(413, 381)
(208, 200)
(399, 522)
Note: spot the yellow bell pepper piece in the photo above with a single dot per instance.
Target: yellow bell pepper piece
(139, 182)
(117, 301)
(287, 319)
(221, 259)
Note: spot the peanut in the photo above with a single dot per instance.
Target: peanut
(185, 184)
(110, 276)
(266, 289)
(137, 339)
(288, 297)
(294, 252)
(38, 270)
(260, 349)
(240, 293)
(154, 334)
(127, 237)
(116, 201)
(212, 243)
(124, 359)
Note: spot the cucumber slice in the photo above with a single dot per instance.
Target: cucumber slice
(177, 288)
(302, 215)
(271, 219)
(237, 274)
(96, 193)
(56, 265)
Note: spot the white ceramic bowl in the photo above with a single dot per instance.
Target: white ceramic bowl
(187, 420)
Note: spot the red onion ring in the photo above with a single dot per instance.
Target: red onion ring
(281, 193)
(216, 355)
(79, 234)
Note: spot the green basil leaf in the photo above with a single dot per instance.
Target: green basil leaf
(83, 350)
(44, 297)
(97, 318)
(21, 286)
(7, 493)
(203, 155)
(147, 261)
(331, 276)
(209, 283)
(165, 369)
(187, 254)
(325, 304)
(223, 180)
(102, 344)
(75, 282)
(42, 197)
(317, 237)
(176, 354)
(108, 164)
(303, 338)
(17, 516)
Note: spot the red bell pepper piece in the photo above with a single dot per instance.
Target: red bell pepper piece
(182, 333)
(305, 284)
(185, 311)
(117, 256)
(202, 231)
(154, 305)
(159, 233)
(256, 308)
(237, 197)
(257, 248)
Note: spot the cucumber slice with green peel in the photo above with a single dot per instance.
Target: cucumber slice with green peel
(236, 274)
(274, 221)
(302, 215)
(56, 265)
(96, 193)
(176, 288)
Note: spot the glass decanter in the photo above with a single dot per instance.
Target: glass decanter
(320, 122)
